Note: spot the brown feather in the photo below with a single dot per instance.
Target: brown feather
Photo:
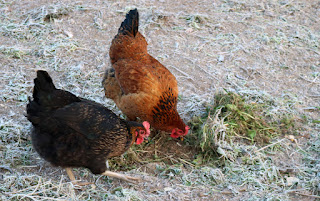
(146, 89)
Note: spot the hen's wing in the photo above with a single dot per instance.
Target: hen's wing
(146, 87)
(136, 76)
(133, 77)
(91, 120)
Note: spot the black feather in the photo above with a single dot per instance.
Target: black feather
(75, 132)
(131, 24)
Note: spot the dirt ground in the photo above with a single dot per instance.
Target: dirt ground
(266, 48)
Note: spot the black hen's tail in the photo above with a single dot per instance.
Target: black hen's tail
(131, 24)
(46, 98)
(43, 85)
(43, 88)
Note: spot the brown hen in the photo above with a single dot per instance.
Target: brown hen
(139, 84)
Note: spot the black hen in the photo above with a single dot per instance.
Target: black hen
(73, 132)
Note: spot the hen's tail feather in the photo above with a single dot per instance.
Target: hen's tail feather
(33, 110)
(43, 83)
(131, 24)
(43, 87)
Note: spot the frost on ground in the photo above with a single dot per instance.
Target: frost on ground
(267, 51)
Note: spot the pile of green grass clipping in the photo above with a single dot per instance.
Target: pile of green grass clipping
(237, 119)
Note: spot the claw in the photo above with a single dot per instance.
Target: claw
(79, 183)
(122, 177)
(73, 179)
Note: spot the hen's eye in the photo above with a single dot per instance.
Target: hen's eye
(142, 132)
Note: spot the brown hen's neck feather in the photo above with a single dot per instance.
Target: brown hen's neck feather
(168, 120)
(178, 123)
(165, 115)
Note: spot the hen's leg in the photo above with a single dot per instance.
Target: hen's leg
(73, 179)
(121, 176)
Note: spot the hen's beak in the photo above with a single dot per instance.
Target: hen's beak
(181, 138)
(146, 139)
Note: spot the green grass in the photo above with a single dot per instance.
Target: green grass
(233, 119)
(12, 52)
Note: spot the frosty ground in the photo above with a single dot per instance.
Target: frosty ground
(267, 51)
